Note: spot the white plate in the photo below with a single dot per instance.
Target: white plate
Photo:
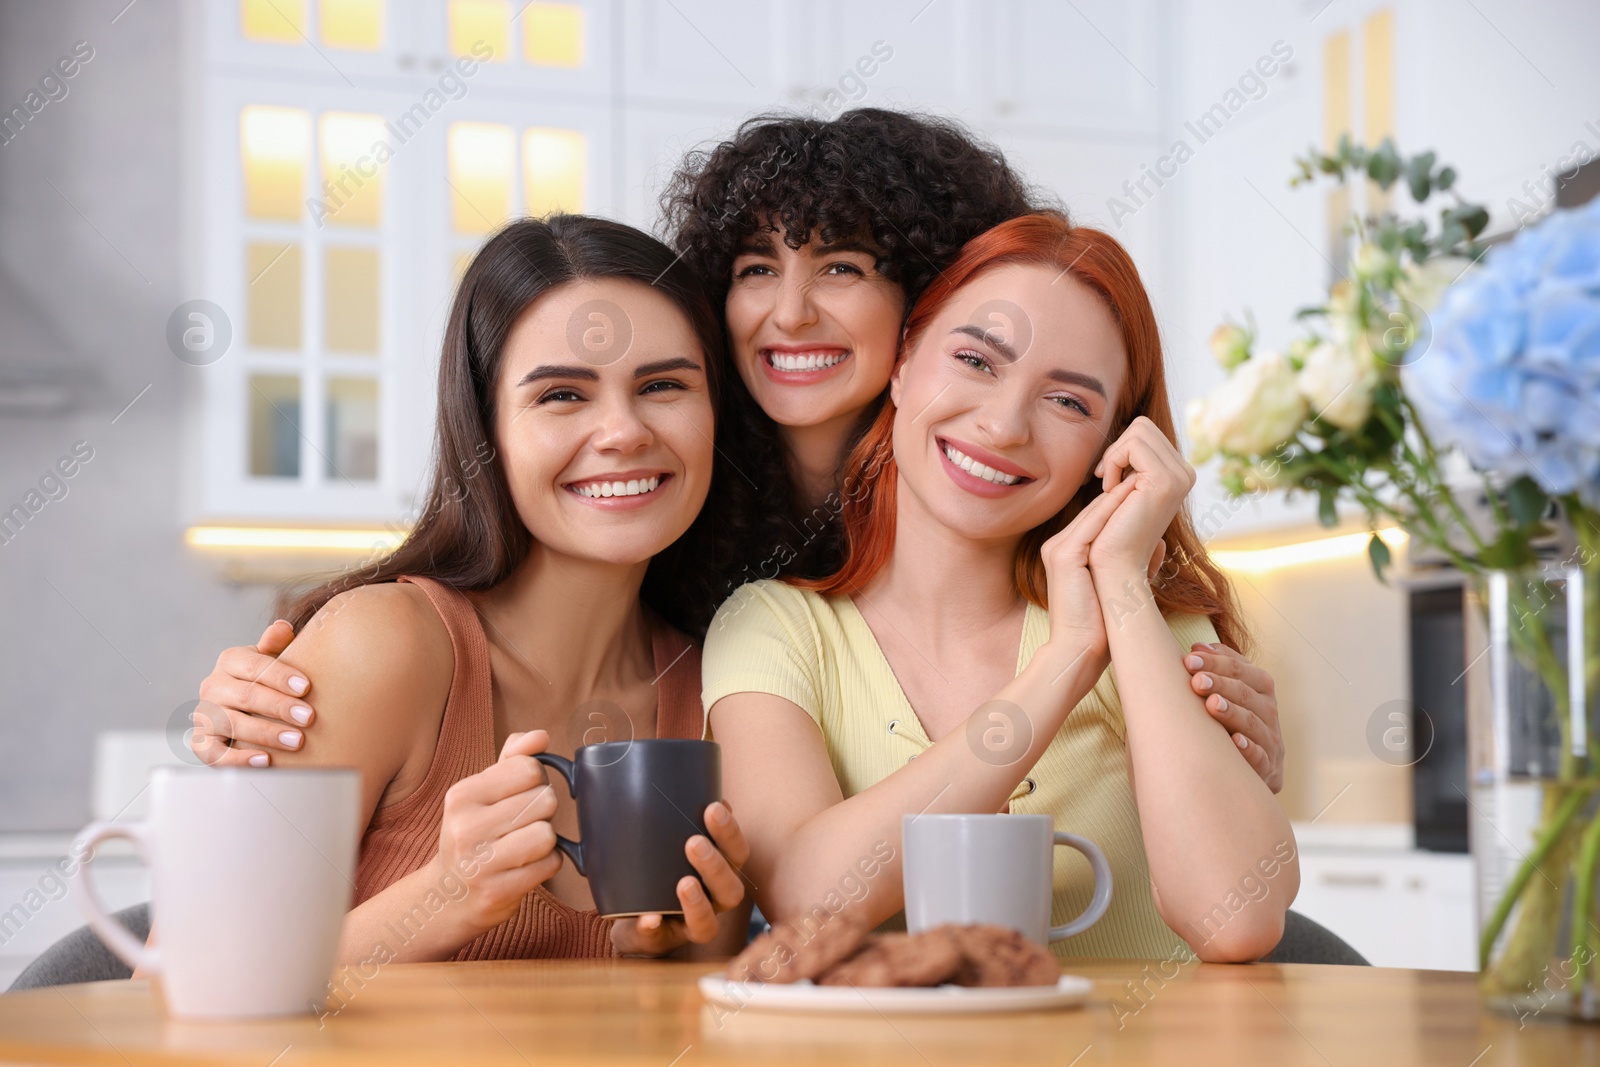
(1069, 992)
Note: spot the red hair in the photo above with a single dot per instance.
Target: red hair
(1189, 582)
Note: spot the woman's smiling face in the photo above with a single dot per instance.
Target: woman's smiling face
(1001, 417)
(607, 458)
(813, 331)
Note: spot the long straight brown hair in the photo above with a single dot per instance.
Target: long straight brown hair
(469, 535)
(1189, 583)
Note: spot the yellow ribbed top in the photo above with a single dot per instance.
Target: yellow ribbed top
(819, 653)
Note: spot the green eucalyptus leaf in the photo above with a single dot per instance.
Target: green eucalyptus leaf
(1383, 166)
(1379, 554)
(1526, 501)
(1327, 513)
(1417, 178)
(1445, 179)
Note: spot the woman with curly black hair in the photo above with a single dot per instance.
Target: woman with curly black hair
(815, 236)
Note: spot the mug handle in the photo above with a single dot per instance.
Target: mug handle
(118, 938)
(572, 849)
(1102, 886)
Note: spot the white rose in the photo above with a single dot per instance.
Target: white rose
(1252, 477)
(1201, 444)
(1371, 261)
(1230, 344)
(1424, 284)
(1337, 382)
(1257, 409)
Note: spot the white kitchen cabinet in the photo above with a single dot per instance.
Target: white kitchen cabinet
(1398, 908)
(34, 911)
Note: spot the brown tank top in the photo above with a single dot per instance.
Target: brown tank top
(405, 835)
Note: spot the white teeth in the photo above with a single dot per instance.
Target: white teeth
(634, 487)
(796, 362)
(978, 470)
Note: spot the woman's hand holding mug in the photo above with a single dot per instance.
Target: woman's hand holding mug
(718, 867)
(496, 833)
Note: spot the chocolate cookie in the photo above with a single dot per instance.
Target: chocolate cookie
(789, 952)
(900, 960)
(998, 956)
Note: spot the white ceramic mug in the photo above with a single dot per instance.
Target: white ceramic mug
(252, 872)
(993, 869)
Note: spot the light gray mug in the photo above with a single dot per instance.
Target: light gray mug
(993, 869)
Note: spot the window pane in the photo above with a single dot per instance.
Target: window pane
(276, 144)
(354, 149)
(352, 429)
(278, 21)
(273, 295)
(552, 35)
(275, 426)
(552, 170)
(350, 304)
(352, 24)
(480, 175)
(485, 21)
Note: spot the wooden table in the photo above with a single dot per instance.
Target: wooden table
(649, 1013)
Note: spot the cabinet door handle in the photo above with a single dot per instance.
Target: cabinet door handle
(1372, 881)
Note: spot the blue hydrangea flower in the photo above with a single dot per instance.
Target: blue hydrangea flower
(1512, 377)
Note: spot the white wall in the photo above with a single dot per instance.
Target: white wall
(105, 620)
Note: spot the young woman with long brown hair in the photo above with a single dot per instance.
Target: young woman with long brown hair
(1003, 516)
(541, 585)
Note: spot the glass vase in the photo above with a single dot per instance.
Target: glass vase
(1531, 712)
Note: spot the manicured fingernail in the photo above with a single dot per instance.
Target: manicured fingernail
(692, 891)
(1194, 663)
(719, 814)
(1222, 703)
(298, 685)
(650, 922)
(258, 760)
(300, 714)
(290, 738)
(701, 848)
(1204, 680)
(1241, 740)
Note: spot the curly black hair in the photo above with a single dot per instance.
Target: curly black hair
(916, 187)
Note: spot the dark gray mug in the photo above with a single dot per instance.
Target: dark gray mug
(638, 802)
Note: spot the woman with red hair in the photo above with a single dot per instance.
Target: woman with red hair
(1012, 518)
